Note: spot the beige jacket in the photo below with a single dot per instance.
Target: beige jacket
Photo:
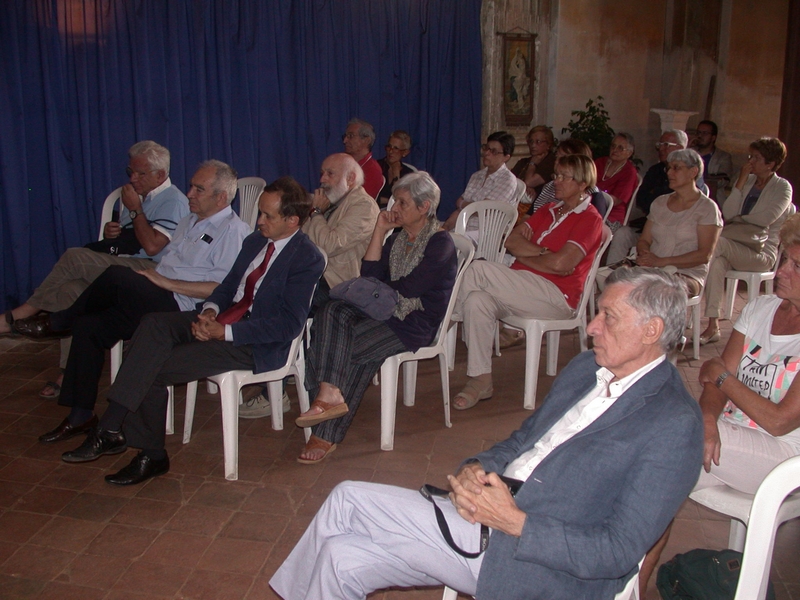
(345, 235)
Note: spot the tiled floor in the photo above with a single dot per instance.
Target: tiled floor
(65, 533)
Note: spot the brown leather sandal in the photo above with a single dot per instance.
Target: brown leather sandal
(315, 443)
(329, 411)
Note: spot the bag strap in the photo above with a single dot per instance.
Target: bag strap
(428, 492)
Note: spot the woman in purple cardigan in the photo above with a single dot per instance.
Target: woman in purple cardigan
(347, 346)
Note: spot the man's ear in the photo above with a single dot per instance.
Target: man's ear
(294, 221)
(653, 330)
(351, 179)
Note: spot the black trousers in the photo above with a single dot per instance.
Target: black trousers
(108, 310)
(164, 352)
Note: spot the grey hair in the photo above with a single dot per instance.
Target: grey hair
(421, 187)
(628, 138)
(364, 130)
(157, 156)
(655, 293)
(683, 139)
(225, 178)
(688, 157)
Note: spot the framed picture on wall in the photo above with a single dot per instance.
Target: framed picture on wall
(518, 61)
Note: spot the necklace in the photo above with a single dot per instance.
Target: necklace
(607, 175)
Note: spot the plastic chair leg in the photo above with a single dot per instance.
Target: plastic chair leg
(553, 339)
(275, 391)
(445, 376)
(170, 426)
(409, 382)
(533, 348)
(389, 371)
(188, 419)
(229, 392)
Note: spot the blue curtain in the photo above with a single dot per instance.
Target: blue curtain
(265, 86)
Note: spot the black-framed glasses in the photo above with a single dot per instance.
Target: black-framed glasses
(493, 151)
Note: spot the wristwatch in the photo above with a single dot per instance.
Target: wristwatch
(722, 377)
(134, 213)
(315, 211)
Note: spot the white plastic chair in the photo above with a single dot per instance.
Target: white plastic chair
(609, 206)
(108, 209)
(250, 189)
(522, 189)
(742, 509)
(770, 508)
(629, 592)
(495, 221)
(412, 167)
(535, 328)
(230, 385)
(754, 280)
(391, 366)
(694, 303)
(632, 202)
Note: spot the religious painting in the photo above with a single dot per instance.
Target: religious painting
(518, 62)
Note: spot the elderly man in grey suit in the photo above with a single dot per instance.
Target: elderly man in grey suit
(604, 465)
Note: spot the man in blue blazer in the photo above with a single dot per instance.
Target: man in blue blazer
(248, 322)
(605, 463)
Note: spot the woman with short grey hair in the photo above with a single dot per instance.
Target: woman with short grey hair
(348, 347)
(683, 227)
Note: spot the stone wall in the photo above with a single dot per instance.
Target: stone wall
(723, 59)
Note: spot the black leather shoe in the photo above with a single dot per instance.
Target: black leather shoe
(39, 327)
(98, 443)
(66, 431)
(140, 469)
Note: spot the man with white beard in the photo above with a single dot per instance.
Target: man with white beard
(341, 223)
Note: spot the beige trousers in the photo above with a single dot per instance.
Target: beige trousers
(72, 274)
(490, 291)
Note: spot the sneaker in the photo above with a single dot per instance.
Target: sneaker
(259, 406)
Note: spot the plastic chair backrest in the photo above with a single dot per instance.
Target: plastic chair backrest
(250, 189)
(495, 221)
(108, 209)
(760, 540)
(466, 252)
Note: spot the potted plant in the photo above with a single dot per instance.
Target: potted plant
(591, 126)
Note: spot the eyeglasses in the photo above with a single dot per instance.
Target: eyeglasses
(537, 142)
(490, 150)
(390, 148)
(660, 145)
(129, 172)
(622, 147)
(677, 167)
(755, 157)
(350, 136)
(562, 177)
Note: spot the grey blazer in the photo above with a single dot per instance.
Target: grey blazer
(598, 502)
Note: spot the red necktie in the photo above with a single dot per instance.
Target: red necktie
(237, 311)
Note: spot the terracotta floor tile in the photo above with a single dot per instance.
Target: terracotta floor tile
(154, 579)
(228, 495)
(212, 585)
(202, 520)
(93, 507)
(55, 590)
(236, 556)
(11, 492)
(146, 513)
(122, 541)
(91, 570)
(180, 549)
(7, 549)
(36, 562)
(19, 527)
(274, 500)
(17, 587)
(14, 445)
(255, 527)
(166, 489)
(68, 534)
(45, 500)
(26, 470)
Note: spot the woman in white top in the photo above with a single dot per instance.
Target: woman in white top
(682, 227)
(751, 398)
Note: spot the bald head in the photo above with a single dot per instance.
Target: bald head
(339, 174)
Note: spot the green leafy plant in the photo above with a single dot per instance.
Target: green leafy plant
(591, 126)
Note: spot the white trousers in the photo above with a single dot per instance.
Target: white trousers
(369, 536)
(490, 291)
(746, 457)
